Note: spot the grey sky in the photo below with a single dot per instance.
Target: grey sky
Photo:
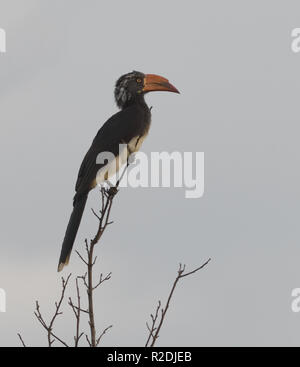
(239, 104)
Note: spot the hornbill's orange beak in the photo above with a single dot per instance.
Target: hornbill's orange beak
(154, 82)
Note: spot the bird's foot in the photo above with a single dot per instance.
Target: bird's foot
(112, 191)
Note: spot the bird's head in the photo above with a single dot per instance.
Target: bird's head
(132, 86)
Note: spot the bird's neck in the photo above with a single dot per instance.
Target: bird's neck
(137, 100)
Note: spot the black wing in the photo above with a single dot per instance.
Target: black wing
(119, 129)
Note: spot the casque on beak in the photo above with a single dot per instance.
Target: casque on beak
(154, 82)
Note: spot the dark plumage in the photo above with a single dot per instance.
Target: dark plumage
(129, 126)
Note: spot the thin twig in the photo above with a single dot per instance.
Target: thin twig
(102, 280)
(103, 333)
(77, 312)
(57, 313)
(154, 330)
(81, 257)
(22, 341)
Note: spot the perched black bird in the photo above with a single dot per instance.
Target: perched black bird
(129, 126)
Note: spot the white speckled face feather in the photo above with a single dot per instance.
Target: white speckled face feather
(126, 87)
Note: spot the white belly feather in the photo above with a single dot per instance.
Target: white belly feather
(114, 165)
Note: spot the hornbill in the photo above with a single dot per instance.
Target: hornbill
(129, 127)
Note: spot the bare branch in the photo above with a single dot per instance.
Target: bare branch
(102, 334)
(81, 258)
(96, 215)
(88, 340)
(154, 330)
(194, 271)
(107, 201)
(22, 341)
(157, 319)
(57, 312)
(77, 312)
(102, 280)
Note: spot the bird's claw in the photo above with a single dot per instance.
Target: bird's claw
(112, 191)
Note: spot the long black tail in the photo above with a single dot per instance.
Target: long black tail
(72, 229)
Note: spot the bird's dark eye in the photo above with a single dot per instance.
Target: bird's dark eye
(139, 80)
